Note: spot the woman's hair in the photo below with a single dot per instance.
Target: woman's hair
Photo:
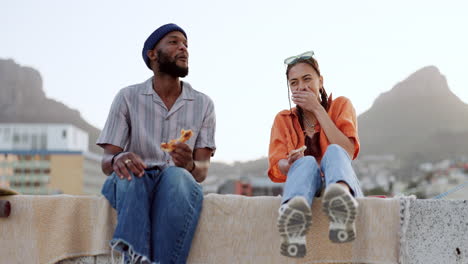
(312, 62)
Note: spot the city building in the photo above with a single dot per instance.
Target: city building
(48, 159)
(253, 186)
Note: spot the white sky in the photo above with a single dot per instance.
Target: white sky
(87, 50)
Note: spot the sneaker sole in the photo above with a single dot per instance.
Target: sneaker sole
(341, 209)
(293, 224)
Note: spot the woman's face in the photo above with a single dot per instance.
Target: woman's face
(303, 77)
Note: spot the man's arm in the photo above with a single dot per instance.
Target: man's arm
(184, 157)
(124, 162)
(201, 158)
(106, 162)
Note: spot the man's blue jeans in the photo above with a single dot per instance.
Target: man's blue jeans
(304, 176)
(157, 214)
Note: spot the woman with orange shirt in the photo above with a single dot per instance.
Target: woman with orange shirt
(328, 130)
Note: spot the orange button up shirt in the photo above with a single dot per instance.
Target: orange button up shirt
(287, 134)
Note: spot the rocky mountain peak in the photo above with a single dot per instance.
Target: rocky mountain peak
(407, 118)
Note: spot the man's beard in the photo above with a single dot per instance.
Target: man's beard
(166, 65)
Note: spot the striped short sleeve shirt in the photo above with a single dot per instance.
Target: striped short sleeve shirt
(139, 122)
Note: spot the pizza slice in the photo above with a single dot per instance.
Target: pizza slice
(184, 136)
(301, 149)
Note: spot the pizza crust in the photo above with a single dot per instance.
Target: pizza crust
(301, 149)
(185, 135)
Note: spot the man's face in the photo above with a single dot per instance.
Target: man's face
(172, 54)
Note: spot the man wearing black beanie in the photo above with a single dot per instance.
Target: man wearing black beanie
(156, 190)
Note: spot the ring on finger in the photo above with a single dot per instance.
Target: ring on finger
(127, 161)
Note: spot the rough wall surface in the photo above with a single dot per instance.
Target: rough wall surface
(437, 232)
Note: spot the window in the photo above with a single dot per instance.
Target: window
(34, 143)
(43, 141)
(16, 138)
(6, 134)
(24, 138)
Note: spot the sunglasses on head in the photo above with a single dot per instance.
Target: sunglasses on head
(303, 56)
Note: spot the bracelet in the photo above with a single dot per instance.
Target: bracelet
(204, 164)
(193, 168)
(113, 157)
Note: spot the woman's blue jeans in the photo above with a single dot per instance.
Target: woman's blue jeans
(304, 176)
(157, 214)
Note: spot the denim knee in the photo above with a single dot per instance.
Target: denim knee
(304, 161)
(308, 159)
(135, 182)
(108, 189)
(181, 181)
(115, 184)
(335, 150)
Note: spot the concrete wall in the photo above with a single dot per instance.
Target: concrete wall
(437, 232)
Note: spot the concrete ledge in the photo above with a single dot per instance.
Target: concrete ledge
(437, 232)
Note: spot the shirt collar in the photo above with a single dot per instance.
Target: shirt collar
(287, 112)
(187, 90)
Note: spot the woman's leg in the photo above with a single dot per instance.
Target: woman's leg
(338, 201)
(336, 166)
(295, 216)
(303, 180)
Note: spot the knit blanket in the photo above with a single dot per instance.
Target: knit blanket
(239, 229)
(232, 229)
(45, 229)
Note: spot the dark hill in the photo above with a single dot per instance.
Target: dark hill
(418, 116)
(22, 100)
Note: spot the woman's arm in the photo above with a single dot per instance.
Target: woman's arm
(285, 164)
(334, 135)
(307, 100)
(278, 149)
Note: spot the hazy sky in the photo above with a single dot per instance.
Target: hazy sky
(87, 50)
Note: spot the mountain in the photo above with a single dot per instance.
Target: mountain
(22, 100)
(419, 117)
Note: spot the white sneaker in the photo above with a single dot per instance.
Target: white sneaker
(294, 220)
(341, 208)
